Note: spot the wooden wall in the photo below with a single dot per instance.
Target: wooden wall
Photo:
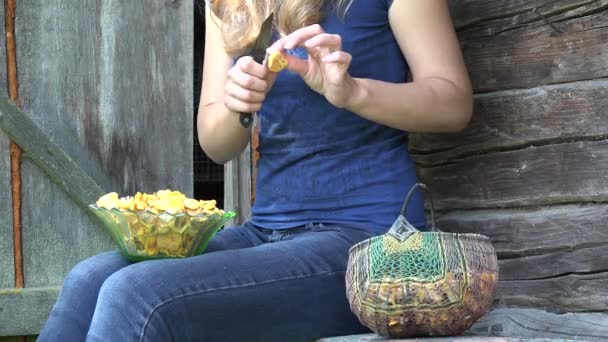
(110, 83)
(530, 170)
(7, 269)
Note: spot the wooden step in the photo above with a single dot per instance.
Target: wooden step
(376, 338)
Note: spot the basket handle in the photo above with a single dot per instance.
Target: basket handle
(424, 187)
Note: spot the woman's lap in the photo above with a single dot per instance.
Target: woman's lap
(282, 286)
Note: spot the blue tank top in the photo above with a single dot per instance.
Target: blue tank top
(321, 164)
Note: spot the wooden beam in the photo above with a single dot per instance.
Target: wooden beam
(237, 187)
(552, 174)
(558, 51)
(47, 155)
(535, 323)
(24, 311)
(508, 120)
(517, 325)
(548, 257)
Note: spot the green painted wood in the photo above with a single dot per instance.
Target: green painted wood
(23, 312)
(110, 83)
(7, 273)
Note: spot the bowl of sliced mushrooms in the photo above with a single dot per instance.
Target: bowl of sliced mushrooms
(165, 224)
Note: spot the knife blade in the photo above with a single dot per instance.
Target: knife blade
(258, 52)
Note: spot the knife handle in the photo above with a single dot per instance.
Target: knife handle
(246, 119)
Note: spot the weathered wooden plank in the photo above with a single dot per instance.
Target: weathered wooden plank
(51, 158)
(544, 266)
(24, 311)
(562, 173)
(542, 252)
(535, 323)
(7, 271)
(109, 90)
(3, 80)
(485, 18)
(466, 13)
(569, 293)
(533, 56)
(18, 339)
(63, 180)
(109, 81)
(520, 325)
(237, 187)
(539, 243)
(56, 234)
(517, 233)
(377, 338)
(511, 119)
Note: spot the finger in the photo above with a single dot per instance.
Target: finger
(331, 41)
(236, 105)
(247, 81)
(297, 38)
(249, 66)
(339, 57)
(246, 95)
(296, 64)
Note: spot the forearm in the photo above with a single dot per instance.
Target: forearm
(430, 105)
(220, 133)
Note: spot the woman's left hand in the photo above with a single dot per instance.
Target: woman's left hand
(326, 69)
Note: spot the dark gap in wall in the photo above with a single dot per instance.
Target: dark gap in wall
(208, 176)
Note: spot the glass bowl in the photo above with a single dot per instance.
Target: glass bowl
(144, 235)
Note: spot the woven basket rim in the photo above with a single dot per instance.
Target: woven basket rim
(467, 235)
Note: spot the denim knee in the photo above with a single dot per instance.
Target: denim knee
(88, 275)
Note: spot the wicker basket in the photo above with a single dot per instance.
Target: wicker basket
(409, 283)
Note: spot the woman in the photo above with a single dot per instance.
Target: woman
(333, 170)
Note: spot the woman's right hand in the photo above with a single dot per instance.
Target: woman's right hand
(247, 84)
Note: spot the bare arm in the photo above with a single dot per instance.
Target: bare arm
(227, 90)
(440, 97)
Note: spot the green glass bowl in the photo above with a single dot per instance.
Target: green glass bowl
(144, 235)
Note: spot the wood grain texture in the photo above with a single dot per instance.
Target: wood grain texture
(117, 81)
(489, 17)
(562, 173)
(518, 325)
(58, 166)
(518, 233)
(548, 257)
(237, 187)
(57, 234)
(24, 311)
(533, 55)
(110, 83)
(7, 269)
(514, 119)
(378, 338)
(568, 293)
(536, 323)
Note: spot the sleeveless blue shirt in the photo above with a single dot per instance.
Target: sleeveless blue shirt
(322, 164)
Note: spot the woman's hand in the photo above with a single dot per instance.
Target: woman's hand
(326, 69)
(247, 84)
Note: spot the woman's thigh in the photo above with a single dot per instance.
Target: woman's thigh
(290, 290)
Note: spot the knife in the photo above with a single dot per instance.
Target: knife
(258, 52)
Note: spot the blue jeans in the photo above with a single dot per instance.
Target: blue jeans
(251, 284)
